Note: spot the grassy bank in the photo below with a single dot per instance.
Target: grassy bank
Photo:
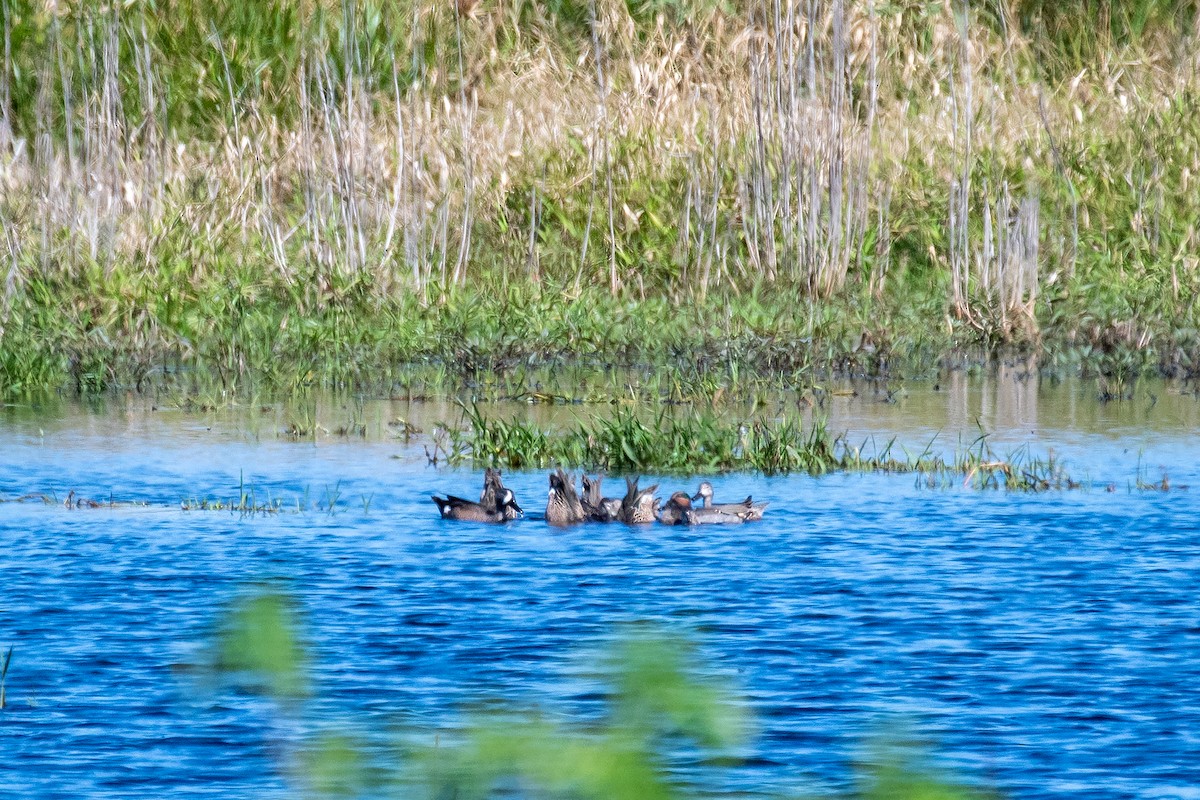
(322, 193)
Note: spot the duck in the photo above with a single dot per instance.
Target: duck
(562, 505)
(748, 507)
(639, 506)
(597, 507)
(680, 511)
(504, 509)
(493, 489)
(677, 505)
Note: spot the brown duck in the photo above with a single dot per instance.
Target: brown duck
(639, 506)
(563, 506)
(493, 490)
(597, 507)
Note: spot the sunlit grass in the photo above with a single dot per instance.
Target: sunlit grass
(319, 194)
(704, 441)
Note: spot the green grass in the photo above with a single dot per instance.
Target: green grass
(688, 440)
(331, 194)
(247, 334)
(139, 329)
(684, 441)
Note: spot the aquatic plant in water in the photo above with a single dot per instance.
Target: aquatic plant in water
(691, 441)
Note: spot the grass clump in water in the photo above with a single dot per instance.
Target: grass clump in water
(693, 441)
(669, 441)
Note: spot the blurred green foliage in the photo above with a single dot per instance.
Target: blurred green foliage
(655, 701)
(258, 646)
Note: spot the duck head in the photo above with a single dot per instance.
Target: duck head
(509, 501)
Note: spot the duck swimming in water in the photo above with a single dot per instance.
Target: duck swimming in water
(496, 503)
(493, 490)
(563, 506)
(639, 506)
(597, 507)
(680, 511)
(504, 509)
(747, 507)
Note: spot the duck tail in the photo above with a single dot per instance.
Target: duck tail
(442, 504)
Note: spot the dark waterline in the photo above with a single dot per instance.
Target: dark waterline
(1046, 645)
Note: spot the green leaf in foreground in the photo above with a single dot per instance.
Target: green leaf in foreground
(259, 647)
(655, 699)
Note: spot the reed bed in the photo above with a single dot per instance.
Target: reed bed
(232, 188)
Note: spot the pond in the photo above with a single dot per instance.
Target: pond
(1047, 645)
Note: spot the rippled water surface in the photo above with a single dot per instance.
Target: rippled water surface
(1047, 645)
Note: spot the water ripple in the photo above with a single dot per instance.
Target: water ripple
(1046, 644)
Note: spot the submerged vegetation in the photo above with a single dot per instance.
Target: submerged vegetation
(656, 707)
(285, 194)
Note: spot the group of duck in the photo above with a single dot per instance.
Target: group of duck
(566, 506)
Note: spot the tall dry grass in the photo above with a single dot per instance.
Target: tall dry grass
(795, 143)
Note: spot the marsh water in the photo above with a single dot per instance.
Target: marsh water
(1046, 645)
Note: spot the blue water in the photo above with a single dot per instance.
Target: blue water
(1045, 645)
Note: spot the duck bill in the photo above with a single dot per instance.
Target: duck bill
(517, 508)
(697, 496)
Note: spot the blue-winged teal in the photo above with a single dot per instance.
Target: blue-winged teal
(504, 509)
(680, 511)
(639, 506)
(747, 507)
(597, 507)
(562, 505)
(493, 490)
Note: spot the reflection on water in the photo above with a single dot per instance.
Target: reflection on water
(1048, 644)
(1009, 402)
(1010, 405)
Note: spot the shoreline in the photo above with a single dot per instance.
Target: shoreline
(732, 345)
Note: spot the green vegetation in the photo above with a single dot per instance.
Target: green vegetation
(283, 194)
(655, 703)
(258, 644)
(690, 441)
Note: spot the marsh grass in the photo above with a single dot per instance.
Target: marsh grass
(664, 440)
(1146, 482)
(248, 503)
(247, 506)
(674, 440)
(306, 194)
(73, 501)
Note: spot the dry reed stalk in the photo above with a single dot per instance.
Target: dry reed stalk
(792, 160)
(994, 275)
(604, 124)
